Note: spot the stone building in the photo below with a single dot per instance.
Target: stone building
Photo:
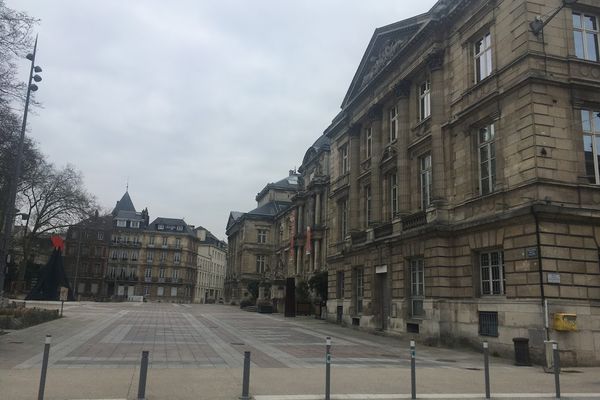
(86, 256)
(464, 178)
(123, 255)
(123, 275)
(252, 239)
(169, 253)
(211, 265)
(310, 212)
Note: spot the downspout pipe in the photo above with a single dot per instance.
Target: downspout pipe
(540, 269)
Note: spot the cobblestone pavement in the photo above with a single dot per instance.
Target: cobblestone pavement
(205, 336)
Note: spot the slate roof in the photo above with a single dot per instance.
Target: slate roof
(125, 204)
(271, 208)
(169, 222)
(288, 183)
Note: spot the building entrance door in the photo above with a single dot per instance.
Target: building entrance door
(383, 298)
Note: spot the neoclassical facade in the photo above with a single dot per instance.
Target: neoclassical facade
(464, 179)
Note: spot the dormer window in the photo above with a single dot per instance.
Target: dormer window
(179, 227)
(121, 223)
(135, 224)
(160, 227)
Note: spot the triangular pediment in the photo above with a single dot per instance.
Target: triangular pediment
(385, 45)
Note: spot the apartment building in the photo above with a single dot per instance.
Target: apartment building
(211, 266)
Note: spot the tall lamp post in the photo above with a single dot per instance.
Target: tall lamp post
(12, 190)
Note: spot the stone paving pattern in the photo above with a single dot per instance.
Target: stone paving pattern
(196, 352)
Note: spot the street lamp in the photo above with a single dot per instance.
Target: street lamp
(538, 24)
(12, 190)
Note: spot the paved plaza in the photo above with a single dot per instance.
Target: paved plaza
(196, 352)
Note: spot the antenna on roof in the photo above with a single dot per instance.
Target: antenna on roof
(127, 185)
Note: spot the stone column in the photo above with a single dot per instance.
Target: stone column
(316, 251)
(298, 265)
(438, 194)
(318, 209)
(402, 92)
(300, 218)
(354, 200)
(375, 119)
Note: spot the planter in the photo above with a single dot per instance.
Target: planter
(265, 308)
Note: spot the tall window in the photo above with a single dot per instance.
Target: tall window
(178, 243)
(492, 272)
(151, 241)
(343, 208)
(100, 235)
(590, 121)
(165, 241)
(368, 142)
(393, 192)
(487, 159)
(262, 236)
(483, 57)
(148, 272)
(177, 258)
(417, 286)
(161, 273)
(150, 255)
(367, 205)
(359, 289)
(425, 174)
(345, 167)
(393, 124)
(424, 100)
(260, 263)
(585, 33)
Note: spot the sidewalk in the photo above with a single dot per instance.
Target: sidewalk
(273, 383)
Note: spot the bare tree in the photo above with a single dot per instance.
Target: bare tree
(54, 199)
(9, 138)
(15, 41)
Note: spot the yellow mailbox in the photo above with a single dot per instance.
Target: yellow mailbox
(565, 322)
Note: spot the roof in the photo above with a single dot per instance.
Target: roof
(170, 225)
(288, 183)
(130, 215)
(272, 208)
(125, 204)
(320, 145)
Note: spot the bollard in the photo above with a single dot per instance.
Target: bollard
(143, 373)
(246, 377)
(556, 357)
(413, 377)
(486, 368)
(327, 368)
(44, 367)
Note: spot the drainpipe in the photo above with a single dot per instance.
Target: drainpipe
(541, 272)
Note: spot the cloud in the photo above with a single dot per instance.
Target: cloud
(198, 104)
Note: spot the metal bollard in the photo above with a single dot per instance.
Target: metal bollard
(44, 367)
(327, 368)
(413, 376)
(143, 372)
(246, 377)
(486, 368)
(556, 357)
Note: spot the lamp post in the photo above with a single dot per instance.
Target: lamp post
(12, 190)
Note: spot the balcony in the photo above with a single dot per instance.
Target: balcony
(383, 230)
(161, 280)
(415, 220)
(148, 279)
(358, 237)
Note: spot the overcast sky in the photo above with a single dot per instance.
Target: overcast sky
(198, 104)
